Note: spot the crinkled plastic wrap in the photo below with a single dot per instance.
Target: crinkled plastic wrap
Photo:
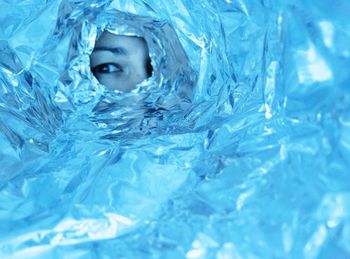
(238, 146)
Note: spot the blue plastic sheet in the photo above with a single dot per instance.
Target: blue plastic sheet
(238, 146)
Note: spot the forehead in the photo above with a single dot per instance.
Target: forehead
(129, 43)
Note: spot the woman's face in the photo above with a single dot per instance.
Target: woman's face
(120, 62)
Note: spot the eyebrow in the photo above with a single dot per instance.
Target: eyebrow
(116, 50)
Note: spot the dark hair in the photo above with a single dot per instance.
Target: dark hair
(148, 66)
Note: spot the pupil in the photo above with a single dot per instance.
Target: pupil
(105, 68)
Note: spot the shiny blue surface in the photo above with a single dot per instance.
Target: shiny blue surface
(237, 147)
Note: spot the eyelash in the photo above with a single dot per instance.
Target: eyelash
(99, 68)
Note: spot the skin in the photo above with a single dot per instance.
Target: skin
(120, 62)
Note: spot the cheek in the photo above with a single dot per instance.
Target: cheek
(109, 81)
(137, 65)
(118, 83)
(139, 74)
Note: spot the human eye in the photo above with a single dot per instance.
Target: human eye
(107, 68)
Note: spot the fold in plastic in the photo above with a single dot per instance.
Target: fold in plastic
(238, 146)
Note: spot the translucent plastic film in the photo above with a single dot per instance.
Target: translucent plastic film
(235, 145)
